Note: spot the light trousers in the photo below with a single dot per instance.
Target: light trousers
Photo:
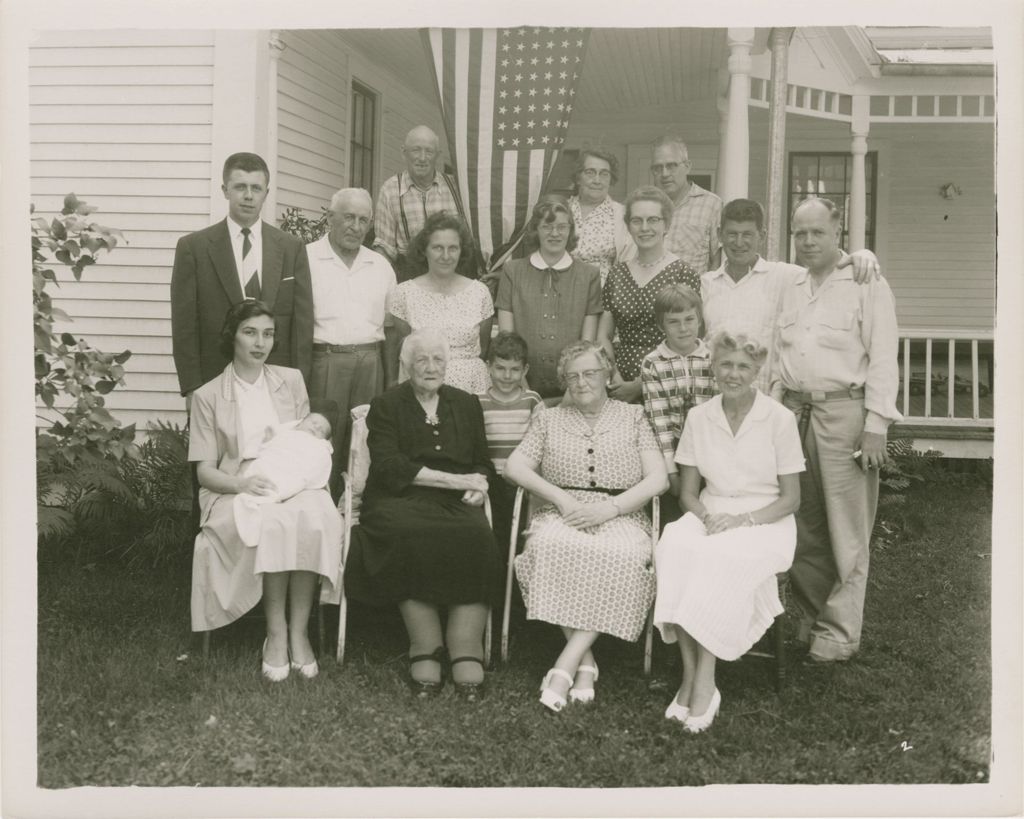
(838, 502)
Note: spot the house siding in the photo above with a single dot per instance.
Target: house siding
(124, 120)
(315, 78)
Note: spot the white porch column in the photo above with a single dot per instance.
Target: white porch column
(737, 131)
(859, 125)
(239, 104)
(775, 198)
(275, 46)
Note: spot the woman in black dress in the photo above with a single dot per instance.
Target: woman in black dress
(423, 540)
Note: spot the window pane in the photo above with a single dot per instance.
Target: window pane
(369, 119)
(357, 115)
(356, 160)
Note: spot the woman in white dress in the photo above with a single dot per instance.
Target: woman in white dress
(717, 590)
(594, 464)
(446, 296)
(298, 538)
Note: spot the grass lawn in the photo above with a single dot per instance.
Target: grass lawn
(120, 705)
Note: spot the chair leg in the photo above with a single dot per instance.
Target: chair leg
(506, 611)
(342, 622)
(488, 627)
(648, 642)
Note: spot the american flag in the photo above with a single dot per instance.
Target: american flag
(506, 99)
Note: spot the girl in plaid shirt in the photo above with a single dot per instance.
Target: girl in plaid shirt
(674, 377)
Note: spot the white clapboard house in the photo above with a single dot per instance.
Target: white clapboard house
(897, 124)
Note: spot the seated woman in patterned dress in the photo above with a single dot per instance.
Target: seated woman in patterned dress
(587, 568)
(423, 540)
(446, 296)
(717, 592)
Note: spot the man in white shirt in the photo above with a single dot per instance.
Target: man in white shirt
(350, 286)
(836, 367)
(742, 295)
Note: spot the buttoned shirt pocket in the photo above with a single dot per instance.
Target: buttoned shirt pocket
(787, 328)
(835, 328)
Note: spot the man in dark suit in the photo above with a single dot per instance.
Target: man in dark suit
(238, 258)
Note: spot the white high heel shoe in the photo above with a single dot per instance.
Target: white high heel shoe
(695, 725)
(583, 695)
(676, 711)
(274, 673)
(308, 671)
(550, 698)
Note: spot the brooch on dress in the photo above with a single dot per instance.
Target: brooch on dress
(432, 419)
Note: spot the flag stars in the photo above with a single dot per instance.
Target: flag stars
(501, 143)
(565, 43)
(549, 60)
(529, 140)
(503, 94)
(504, 63)
(566, 59)
(563, 74)
(533, 92)
(534, 45)
(504, 77)
(502, 109)
(534, 60)
(548, 75)
(545, 123)
(531, 108)
(547, 106)
(545, 139)
(551, 44)
(505, 47)
(516, 109)
(520, 46)
(530, 123)
(517, 93)
(519, 77)
(579, 44)
(519, 61)
(515, 142)
(533, 76)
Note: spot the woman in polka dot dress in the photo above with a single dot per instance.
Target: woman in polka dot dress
(587, 566)
(439, 297)
(631, 287)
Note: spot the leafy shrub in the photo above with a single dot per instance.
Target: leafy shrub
(295, 222)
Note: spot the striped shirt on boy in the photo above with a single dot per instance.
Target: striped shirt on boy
(506, 422)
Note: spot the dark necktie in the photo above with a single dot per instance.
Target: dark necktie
(252, 287)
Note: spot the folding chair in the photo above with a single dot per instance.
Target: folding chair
(351, 501)
(776, 638)
(510, 574)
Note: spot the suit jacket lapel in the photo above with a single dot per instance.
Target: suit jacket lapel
(273, 264)
(223, 258)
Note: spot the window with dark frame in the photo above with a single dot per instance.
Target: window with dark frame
(828, 175)
(362, 146)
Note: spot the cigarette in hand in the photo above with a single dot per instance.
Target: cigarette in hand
(857, 454)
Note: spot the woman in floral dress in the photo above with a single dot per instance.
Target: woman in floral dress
(446, 297)
(631, 287)
(600, 226)
(587, 566)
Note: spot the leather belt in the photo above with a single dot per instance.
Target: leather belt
(818, 396)
(343, 348)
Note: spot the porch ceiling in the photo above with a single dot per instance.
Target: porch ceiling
(623, 68)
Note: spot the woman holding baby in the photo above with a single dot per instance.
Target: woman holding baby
(231, 419)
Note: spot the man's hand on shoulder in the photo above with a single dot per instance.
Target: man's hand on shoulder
(865, 266)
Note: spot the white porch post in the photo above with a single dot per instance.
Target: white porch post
(239, 104)
(776, 204)
(858, 184)
(737, 130)
(275, 45)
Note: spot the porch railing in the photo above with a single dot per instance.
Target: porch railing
(932, 391)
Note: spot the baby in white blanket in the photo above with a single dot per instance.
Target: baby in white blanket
(295, 456)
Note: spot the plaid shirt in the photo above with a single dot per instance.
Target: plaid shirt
(397, 193)
(693, 233)
(672, 384)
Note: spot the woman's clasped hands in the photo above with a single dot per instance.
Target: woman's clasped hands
(716, 523)
(256, 485)
(585, 515)
(475, 486)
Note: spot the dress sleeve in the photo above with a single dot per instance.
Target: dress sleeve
(202, 430)
(608, 296)
(690, 277)
(506, 286)
(595, 303)
(485, 304)
(396, 303)
(686, 452)
(645, 439)
(789, 455)
(532, 445)
(387, 461)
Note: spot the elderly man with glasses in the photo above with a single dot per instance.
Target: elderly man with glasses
(693, 231)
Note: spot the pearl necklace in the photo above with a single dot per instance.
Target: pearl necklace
(652, 264)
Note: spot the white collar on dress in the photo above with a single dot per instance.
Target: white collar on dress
(562, 264)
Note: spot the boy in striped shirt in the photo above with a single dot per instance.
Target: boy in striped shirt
(508, 408)
(674, 377)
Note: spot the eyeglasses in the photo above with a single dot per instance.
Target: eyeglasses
(594, 173)
(668, 167)
(589, 375)
(652, 221)
(549, 227)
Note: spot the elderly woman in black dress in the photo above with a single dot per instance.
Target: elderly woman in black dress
(424, 541)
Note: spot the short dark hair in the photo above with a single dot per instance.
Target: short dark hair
(507, 345)
(598, 153)
(649, 193)
(249, 163)
(243, 311)
(834, 212)
(545, 211)
(444, 221)
(743, 210)
(674, 298)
